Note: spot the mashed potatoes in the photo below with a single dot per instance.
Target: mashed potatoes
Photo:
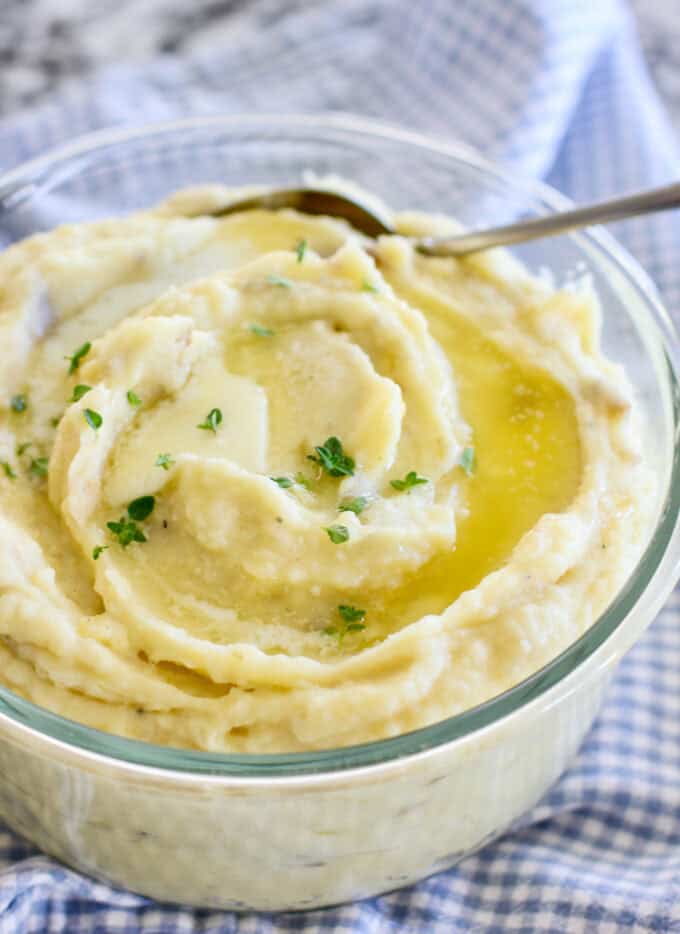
(263, 490)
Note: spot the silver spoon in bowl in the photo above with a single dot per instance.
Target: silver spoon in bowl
(368, 221)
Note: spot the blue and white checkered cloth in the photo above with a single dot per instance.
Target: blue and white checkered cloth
(555, 89)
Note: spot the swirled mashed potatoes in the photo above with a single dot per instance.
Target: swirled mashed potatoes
(263, 490)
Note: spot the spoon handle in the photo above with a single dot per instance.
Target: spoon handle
(644, 202)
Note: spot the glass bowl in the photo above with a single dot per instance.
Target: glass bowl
(311, 829)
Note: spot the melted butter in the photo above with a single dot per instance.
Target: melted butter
(526, 441)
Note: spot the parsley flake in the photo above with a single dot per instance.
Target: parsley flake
(212, 420)
(351, 621)
(350, 614)
(333, 459)
(300, 250)
(97, 550)
(164, 461)
(280, 281)
(410, 480)
(367, 286)
(55, 421)
(78, 392)
(38, 466)
(141, 508)
(468, 461)
(284, 482)
(356, 505)
(18, 403)
(22, 448)
(7, 467)
(126, 531)
(133, 398)
(261, 331)
(338, 534)
(78, 357)
(93, 419)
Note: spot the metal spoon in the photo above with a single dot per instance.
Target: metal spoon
(369, 222)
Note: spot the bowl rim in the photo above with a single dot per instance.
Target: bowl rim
(651, 580)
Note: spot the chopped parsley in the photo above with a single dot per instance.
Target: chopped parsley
(164, 461)
(338, 534)
(351, 620)
(367, 286)
(93, 419)
(7, 467)
(78, 392)
(133, 398)
(468, 461)
(410, 480)
(280, 281)
(55, 421)
(284, 482)
(333, 459)
(350, 614)
(97, 550)
(261, 331)
(38, 466)
(356, 505)
(141, 508)
(212, 420)
(78, 357)
(287, 482)
(22, 448)
(18, 403)
(126, 531)
(300, 250)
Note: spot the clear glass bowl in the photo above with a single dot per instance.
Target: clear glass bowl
(319, 813)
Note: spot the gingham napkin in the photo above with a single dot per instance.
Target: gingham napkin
(555, 89)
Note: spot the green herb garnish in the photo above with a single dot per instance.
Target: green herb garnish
(78, 357)
(55, 420)
(284, 482)
(22, 448)
(351, 621)
(38, 466)
(141, 508)
(18, 403)
(410, 480)
(338, 534)
(133, 398)
(93, 419)
(126, 531)
(79, 391)
(261, 331)
(164, 461)
(356, 505)
(212, 420)
(333, 459)
(468, 461)
(7, 467)
(350, 614)
(97, 550)
(279, 280)
(367, 286)
(300, 250)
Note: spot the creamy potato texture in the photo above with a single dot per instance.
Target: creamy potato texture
(264, 489)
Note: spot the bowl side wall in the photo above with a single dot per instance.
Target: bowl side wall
(271, 848)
